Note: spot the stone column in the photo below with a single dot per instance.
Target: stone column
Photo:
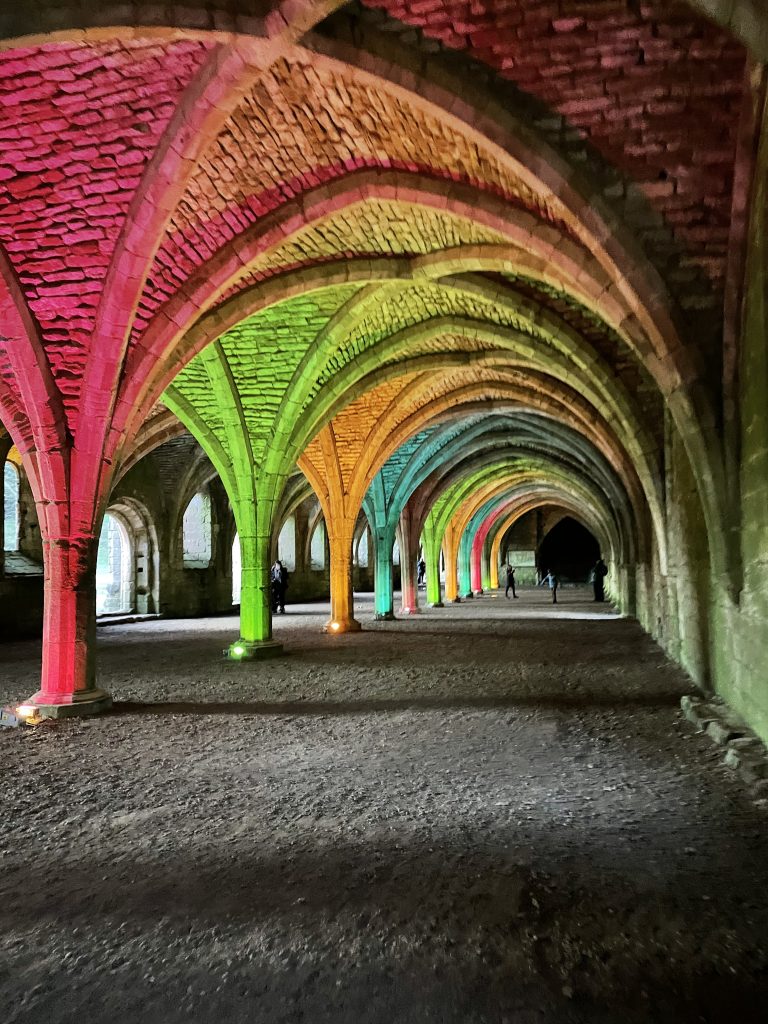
(301, 519)
(69, 631)
(464, 566)
(432, 558)
(255, 640)
(451, 556)
(409, 553)
(340, 531)
(491, 564)
(383, 596)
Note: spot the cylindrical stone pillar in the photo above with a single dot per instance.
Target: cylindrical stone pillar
(342, 618)
(69, 631)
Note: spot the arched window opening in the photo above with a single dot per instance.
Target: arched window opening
(362, 550)
(317, 547)
(11, 487)
(286, 544)
(237, 566)
(396, 554)
(197, 532)
(114, 569)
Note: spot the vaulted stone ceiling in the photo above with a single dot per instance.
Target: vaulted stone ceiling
(299, 225)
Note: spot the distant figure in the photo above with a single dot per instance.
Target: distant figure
(554, 584)
(547, 580)
(421, 567)
(510, 581)
(279, 585)
(599, 573)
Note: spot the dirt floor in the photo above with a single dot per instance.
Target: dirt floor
(492, 812)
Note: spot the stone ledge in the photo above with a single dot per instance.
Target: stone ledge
(744, 751)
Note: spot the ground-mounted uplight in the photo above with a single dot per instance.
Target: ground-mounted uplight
(252, 650)
(335, 627)
(22, 714)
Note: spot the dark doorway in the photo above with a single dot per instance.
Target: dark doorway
(569, 550)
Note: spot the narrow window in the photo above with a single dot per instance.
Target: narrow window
(362, 550)
(196, 532)
(11, 507)
(286, 544)
(236, 570)
(114, 569)
(317, 547)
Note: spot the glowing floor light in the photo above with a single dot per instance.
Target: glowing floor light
(28, 712)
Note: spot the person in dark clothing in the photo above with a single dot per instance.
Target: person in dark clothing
(554, 584)
(599, 573)
(421, 566)
(279, 585)
(510, 581)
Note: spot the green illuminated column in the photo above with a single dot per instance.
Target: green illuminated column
(432, 558)
(255, 638)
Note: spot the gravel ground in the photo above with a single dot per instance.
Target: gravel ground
(488, 813)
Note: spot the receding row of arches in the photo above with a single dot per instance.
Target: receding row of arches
(128, 571)
(127, 559)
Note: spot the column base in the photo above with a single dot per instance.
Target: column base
(456, 600)
(74, 705)
(477, 593)
(411, 611)
(468, 596)
(337, 626)
(253, 650)
(385, 616)
(436, 604)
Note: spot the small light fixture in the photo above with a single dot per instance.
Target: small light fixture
(27, 711)
(238, 650)
(335, 627)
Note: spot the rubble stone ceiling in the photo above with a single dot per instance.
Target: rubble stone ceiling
(440, 452)
(297, 354)
(532, 187)
(650, 90)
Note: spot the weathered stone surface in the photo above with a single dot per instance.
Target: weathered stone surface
(721, 731)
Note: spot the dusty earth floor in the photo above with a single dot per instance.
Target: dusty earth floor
(489, 813)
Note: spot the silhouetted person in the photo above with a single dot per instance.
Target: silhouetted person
(421, 566)
(554, 584)
(279, 585)
(599, 573)
(510, 582)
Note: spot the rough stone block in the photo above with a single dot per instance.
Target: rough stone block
(721, 732)
(697, 712)
(751, 767)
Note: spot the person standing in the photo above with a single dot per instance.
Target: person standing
(279, 584)
(554, 584)
(599, 573)
(421, 566)
(510, 581)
